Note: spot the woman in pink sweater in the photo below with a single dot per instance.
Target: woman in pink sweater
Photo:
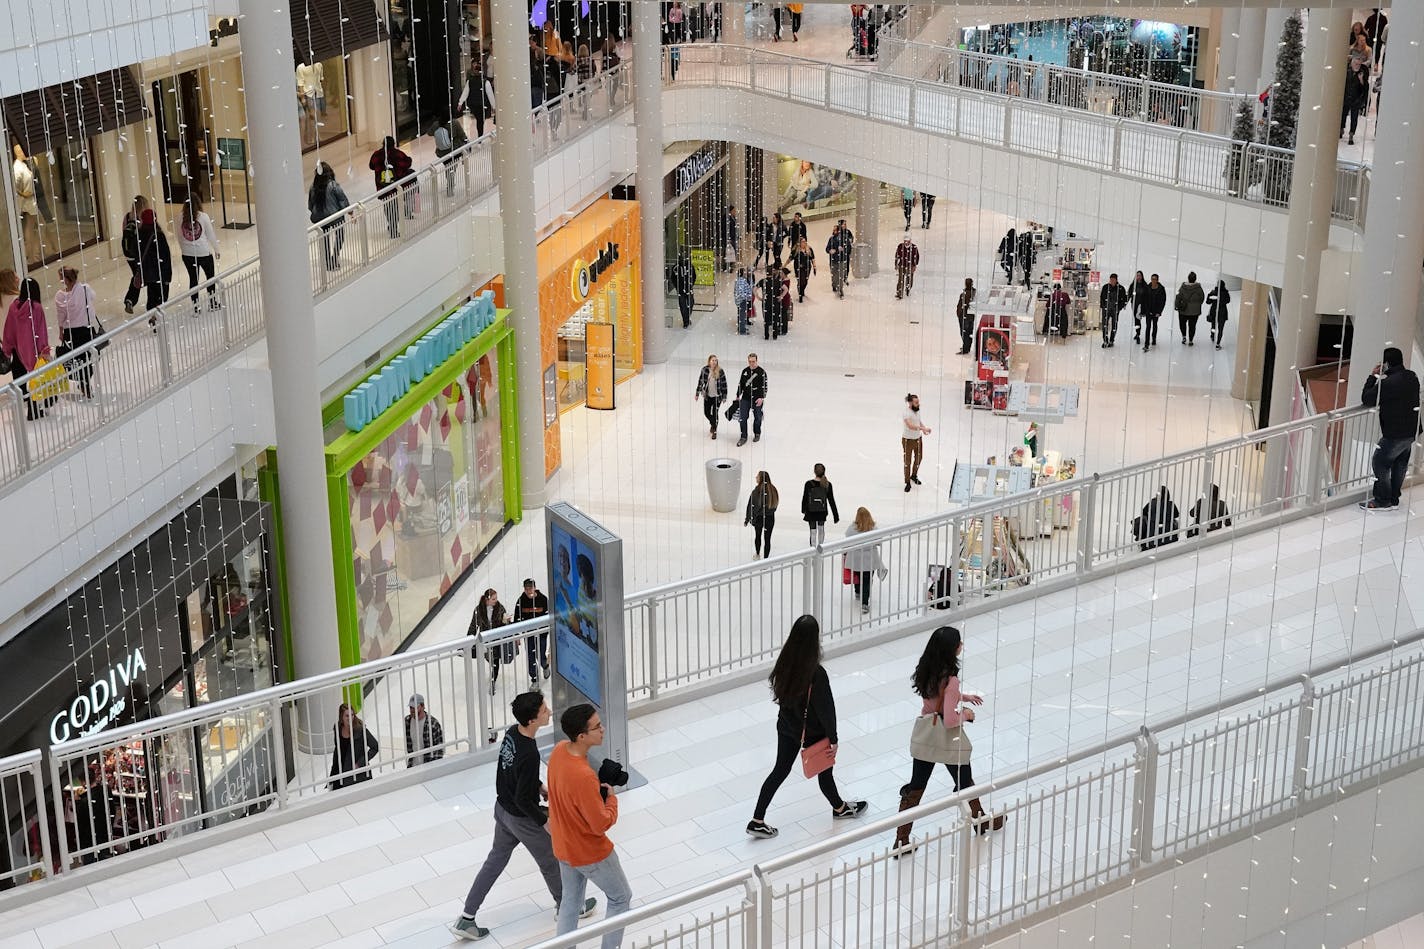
(936, 682)
(26, 336)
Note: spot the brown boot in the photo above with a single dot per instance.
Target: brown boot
(982, 823)
(909, 797)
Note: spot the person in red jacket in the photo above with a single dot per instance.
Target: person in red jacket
(581, 812)
(391, 165)
(907, 258)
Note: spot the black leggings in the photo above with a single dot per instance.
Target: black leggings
(788, 749)
(960, 774)
(763, 527)
(709, 409)
(207, 265)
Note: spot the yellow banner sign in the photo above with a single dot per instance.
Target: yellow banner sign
(598, 342)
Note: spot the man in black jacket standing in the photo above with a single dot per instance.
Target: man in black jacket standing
(751, 393)
(1111, 302)
(532, 605)
(1395, 390)
(1154, 301)
(519, 817)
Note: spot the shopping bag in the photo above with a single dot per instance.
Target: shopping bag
(50, 384)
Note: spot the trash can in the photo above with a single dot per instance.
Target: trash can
(724, 483)
(862, 260)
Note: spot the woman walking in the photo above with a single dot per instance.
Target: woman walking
(803, 261)
(818, 497)
(155, 263)
(355, 747)
(1217, 301)
(863, 561)
(128, 243)
(198, 246)
(326, 198)
(806, 719)
(489, 617)
(712, 390)
(936, 682)
(78, 324)
(761, 512)
(26, 338)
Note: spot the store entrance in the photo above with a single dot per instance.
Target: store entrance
(179, 123)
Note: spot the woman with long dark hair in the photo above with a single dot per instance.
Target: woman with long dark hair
(936, 682)
(355, 747)
(807, 715)
(761, 512)
(324, 199)
(26, 339)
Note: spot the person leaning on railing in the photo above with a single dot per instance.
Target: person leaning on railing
(941, 739)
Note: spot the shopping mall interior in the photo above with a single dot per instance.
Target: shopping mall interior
(1089, 362)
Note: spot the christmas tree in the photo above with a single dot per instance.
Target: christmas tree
(1239, 176)
(1282, 109)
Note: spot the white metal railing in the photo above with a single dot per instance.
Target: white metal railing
(137, 360)
(1201, 162)
(223, 760)
(28, 828)
(1117, 811)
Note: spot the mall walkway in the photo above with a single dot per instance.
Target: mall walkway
(1068, 669)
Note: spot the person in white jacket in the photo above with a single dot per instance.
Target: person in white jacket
(198, 244)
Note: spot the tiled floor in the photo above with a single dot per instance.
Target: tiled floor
(1064, 670)
(1406, 935)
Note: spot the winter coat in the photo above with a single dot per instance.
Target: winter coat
(1190, 297)
(155, 258)
(1396, 392)
(1218, 298)
(26, 333)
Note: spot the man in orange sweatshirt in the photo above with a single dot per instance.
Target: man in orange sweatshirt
(581, 810)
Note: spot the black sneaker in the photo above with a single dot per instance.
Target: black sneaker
(760, 828)
(907, 487)
(1373, 505)
(741, 441)
(756, 438)
(850, 810)
(915, 479)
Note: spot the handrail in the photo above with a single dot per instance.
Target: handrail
(183, 350)
(1202, 162)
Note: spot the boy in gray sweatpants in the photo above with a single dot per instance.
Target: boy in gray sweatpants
(519, 817)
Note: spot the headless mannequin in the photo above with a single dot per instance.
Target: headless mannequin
(27, 202)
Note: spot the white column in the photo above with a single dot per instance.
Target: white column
(867, 226)
(1311, 194)
(291, 340)
(1386, 291)
(1249, 44)
(734, 25)
(648, 129)
(1275, 22)
(514, 158)
(1227, 50)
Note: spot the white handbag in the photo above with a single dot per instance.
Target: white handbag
(930, 740)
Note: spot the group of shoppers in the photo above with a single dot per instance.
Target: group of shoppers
(490, 614)
(747, 400)
(25, 344)
(1147, 299)
(818, 501)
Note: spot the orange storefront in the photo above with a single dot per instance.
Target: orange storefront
(588, 299)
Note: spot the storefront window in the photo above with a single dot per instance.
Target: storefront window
(54, 194)
(610, 304)
(321, 102)
(424, 503)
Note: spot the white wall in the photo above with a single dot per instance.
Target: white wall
(1325, 879)
(47, 43)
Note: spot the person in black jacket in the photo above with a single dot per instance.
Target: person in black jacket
(424, 738)
(155, 262)
(796, 231)
(838, 250)
(964, 313)
(773, 319)
(1217, 301)
(712, 390)
(490, 616)
(751, 393)
(519, 816)
(806, 715)
(532, 605)
(684, 278)
(1158, 523)
(1395, 390)
(355, 747)
(817, 497)
(1111, 302)
(128, 243)
(761, 513)
(1008, 247)
(1210, 513)
(1136, 297)
(1154, 301)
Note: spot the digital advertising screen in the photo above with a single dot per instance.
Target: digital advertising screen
(575, 610)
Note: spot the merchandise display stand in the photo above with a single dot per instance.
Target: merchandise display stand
(990, 552)
(1077, 272)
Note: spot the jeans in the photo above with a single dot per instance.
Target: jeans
(135, 284)
(710, 407)
(914, 450)
(966, 333)
(193, 264)
(607, 875)
(1109, 326)
(1149, 328)
(801, 279)
(905, 280)
(744, 316)
(333, 236)
(81, 369)
(511, 830)
(763, 526)
(749, 406)
(840, 269)
(538, 658)
(684, 306)
(788, 748)
(926, 209)
(860, 582)
(1390, 463)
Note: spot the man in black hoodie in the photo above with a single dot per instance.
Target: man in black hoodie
(519, 817)
(1111, 301)
(1396, 391)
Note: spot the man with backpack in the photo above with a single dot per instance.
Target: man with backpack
(751, 393)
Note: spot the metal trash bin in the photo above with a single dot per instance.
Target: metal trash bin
(724, 483)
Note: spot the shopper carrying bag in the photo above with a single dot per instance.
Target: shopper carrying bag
(938, 735)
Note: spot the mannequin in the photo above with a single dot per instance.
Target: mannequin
(27, 201)
(311, 81)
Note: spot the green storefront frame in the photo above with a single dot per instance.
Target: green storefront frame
(351, 448)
